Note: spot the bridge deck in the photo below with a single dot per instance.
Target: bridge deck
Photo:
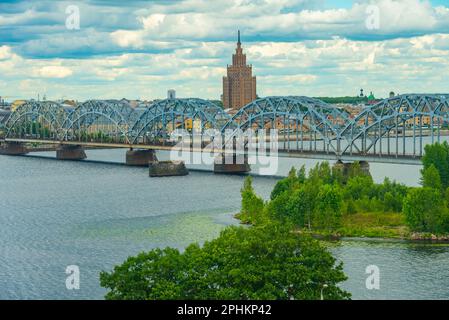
(384, 158)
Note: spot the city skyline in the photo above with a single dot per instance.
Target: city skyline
(312, 48)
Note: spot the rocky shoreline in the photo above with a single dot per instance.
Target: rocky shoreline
(429, 237)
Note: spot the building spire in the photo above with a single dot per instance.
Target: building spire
(239, 86)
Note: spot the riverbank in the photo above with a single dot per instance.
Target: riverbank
(372, 225)
(345, 202)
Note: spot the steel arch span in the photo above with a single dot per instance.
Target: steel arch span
(36, 120)
(162, 118)
(397, 126)
(99, 121)
(304, 124)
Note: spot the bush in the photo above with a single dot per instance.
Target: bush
(425, 211)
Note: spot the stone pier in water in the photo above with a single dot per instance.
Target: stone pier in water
(346, 168)
(225, 166)
(13, 149)
(167, 169)
(140, 158)
(70, 152)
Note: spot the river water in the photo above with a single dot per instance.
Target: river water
(94, 215)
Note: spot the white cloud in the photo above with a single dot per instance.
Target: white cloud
(128, 38)
(331, 62)
(203, 73)
(153, 21)
(198, 19)
(53, 72)
(6, 20)
(110, 74)
(5, 52)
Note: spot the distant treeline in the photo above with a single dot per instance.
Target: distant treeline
(332, 100)
(217, 102)
(350, 100)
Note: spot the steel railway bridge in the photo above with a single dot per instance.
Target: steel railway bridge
(394, 130)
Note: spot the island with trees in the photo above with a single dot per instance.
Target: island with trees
(329, 203)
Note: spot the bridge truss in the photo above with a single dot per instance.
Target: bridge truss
(397, 127)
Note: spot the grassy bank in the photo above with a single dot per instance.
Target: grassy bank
(370, 225)
(374, 225)
(363, 225)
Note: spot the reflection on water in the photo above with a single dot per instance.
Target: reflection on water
(54, 214)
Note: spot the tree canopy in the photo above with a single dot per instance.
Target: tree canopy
(262, 262)
(437, 154)
(425, 210)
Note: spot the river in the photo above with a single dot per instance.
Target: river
(94, 215)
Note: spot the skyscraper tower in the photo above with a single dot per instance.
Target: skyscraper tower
(239, 86)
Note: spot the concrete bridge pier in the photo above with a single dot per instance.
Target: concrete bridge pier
(70, 152)
(140, 158)
(346, 168)
(224, 165)
(13, 149)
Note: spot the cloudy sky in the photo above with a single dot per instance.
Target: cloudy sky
(139, 49)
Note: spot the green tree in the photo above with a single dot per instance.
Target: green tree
(338, 175)
(265, 262)
(252, 205)
(355, 170)
(430, 177)
(280, 187)
(311, 190)
(302, 174)
(351, 100)
(437, 154)
(285, 184)
(279, 209)
(425, 211)
(300, 207)
(350, 207)
(391, 194)
(295, 205)
(359, 186)
(328, 209)
(447, 195)
(321, 172)
(389, 202)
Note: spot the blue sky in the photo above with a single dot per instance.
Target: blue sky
(139, 49)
